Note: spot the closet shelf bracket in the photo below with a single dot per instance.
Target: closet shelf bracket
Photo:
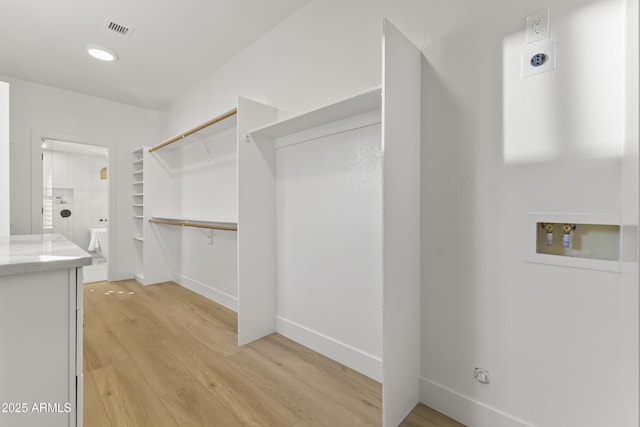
(205, 146)
(207, 233)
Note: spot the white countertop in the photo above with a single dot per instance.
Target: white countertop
(37, 252)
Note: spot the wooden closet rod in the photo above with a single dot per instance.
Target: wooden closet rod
(194, 130)
(190, 224)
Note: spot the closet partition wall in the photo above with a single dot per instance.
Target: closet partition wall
(329, 249)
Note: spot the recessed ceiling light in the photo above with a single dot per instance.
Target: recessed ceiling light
(102, 53)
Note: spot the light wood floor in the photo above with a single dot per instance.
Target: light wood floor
(162, 355)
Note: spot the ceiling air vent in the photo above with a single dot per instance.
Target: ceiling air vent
(120, 29)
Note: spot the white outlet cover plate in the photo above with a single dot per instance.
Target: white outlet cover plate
(549, 48)
(541, 31)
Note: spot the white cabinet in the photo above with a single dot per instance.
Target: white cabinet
(41, 335)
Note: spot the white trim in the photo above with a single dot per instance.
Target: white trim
(355, 359)
(463, 408)
(37, 136)
(206, 291)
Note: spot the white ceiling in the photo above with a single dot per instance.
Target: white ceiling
(174, 44)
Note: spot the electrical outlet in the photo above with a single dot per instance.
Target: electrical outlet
(538, 58)
(538, 26)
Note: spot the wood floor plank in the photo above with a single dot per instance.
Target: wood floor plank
(128, 399)
(216, 311)
(159, 367)
(305, 401)
(352, 380)
(126, 289)
(94, 413)
(423, 416)
(330, 386)
(163, 294)
(101, 298)
(147, 309)
(194, 406)
(162, 355)
(100, 347)
(209, 332)
(251, 405)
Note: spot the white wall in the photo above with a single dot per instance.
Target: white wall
(195, 178)
(329, 244)
(549, 143)
(208, 189)
(38, 110)
(494, 148)
(5, 228)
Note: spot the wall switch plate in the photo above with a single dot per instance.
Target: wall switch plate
(539, 58)
(538, 26)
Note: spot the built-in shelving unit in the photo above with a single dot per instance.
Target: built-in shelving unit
(257, 245)
(277, 261)
(138, 208)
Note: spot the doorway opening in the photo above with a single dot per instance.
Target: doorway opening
(75, 199)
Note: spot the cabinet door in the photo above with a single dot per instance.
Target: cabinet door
(37, 356)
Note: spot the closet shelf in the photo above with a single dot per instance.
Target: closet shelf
(138, 172)
(195, 222)
(137, 162)
(138, 216)
(138, 183)
(138, 238)
(138, 205)
(365, 102)
(138, 195)
(180, 137)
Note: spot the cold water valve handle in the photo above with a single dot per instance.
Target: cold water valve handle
(566, 234)
(549, 228)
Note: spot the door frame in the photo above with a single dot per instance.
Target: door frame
(36, 187)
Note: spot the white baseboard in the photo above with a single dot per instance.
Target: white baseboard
(355, 359)
(464, 409)
(122, 275)
(206, 291)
